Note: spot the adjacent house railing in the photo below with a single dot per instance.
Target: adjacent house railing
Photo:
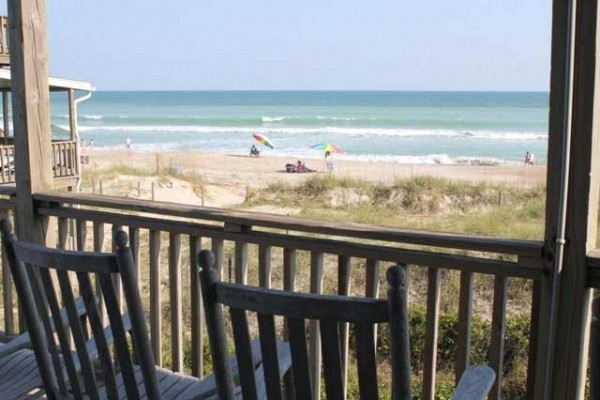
(64, 153)
(295, 254)
(64, 161)
(7, 164)
(4, 51)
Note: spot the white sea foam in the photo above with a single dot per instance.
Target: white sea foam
(145, 147)
(324, 117)
(426, 159)
(95, 117)
(343, 131)
(273, 119)
(314, 155)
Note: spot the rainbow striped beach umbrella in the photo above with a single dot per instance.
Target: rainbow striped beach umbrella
(330, 147)
(262, 139)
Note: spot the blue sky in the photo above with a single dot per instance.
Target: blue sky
(308, 44)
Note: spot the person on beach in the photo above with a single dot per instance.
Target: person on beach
(529, 159)
(85, 155)
(254, 151)
(128, 143)
(328, 161)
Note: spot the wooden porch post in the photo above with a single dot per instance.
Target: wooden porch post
(5, 120)
(558, 129)
(31, 118)
(72, 116)
(582, 211)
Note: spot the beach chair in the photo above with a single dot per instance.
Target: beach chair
(330, 312)
(90, 371)
(128, 372)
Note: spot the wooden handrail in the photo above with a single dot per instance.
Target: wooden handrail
(350, 249)
(520, 247)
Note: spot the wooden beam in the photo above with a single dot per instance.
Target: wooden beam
(72, 115)
(31, 117)
(582, 212)
(5, 119)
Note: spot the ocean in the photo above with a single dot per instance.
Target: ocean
(407, 127)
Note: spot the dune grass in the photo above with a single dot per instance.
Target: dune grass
(417, 203)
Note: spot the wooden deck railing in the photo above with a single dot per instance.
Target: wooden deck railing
(64, 153)
(7, 164)
(295, 254)
(64, 157)
(4, 49)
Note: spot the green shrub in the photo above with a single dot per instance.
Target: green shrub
(515, 349)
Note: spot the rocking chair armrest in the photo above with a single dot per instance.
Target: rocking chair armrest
(207, 389)
(91, 344)
(475, 383)
(20, 342)
(91, 347)
(23, 341)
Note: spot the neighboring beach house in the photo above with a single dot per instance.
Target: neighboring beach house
(66, 152)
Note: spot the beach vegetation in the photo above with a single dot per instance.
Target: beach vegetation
(417, 203)
(124, 180)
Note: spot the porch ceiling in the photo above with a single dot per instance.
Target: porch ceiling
(56, 84)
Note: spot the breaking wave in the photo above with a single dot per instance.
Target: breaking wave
(339, 131)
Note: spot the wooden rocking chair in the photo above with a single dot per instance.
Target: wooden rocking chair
(330, 312)
(127, 373)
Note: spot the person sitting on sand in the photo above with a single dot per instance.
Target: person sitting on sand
(254, 151)
(299, 167)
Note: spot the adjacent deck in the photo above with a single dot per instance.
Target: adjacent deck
(64, 161)
(4, 51)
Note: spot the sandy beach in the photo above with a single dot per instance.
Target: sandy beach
(231, 169)
(227, 177)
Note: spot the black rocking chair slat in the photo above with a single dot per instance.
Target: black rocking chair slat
(332, 359)
(85, 287)
(243, 353)
(77, 333)
(61, 331)
(268, 345)
(299, 350)
(365, 360)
